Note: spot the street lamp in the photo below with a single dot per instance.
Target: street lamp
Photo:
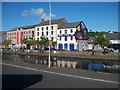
(49, 32)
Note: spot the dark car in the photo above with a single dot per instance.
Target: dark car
(89, 50)
(106, 51)
(51, 49)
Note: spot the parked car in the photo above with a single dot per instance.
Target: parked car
(88, 50)
(59, 49)
(51, 49)
(106, 51)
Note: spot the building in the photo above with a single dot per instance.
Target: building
(67, 35)
(20, 33)
(43, 29)
(3, 36)
(114, 39)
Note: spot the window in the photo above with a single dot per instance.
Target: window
(51, 27)
(65, 31)
(32, 32)
(65, 38)
(42, 33)
(37, 29)
(38, 39)
(60, 32)
(42, 28)
(29, 32)
(60, 38)
(51, 32)
(71, 37)
(46, 28)
(47, 33)
(52, 38)
(37, 33)
(71, 31)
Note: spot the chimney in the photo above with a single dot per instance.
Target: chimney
(42, 20)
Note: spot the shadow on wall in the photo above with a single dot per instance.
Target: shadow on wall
(19, 82)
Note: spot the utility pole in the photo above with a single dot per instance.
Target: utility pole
(49, 33)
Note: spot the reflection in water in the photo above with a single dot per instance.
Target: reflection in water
(110, 66)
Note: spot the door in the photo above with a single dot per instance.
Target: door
(60, 46)
(66, 46)
(71, 47)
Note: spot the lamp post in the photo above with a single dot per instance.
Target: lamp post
(49, 33)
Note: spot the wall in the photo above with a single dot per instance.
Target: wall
(55, 28)
(69, 41)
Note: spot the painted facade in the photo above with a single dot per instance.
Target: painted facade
(46, 31)
(66, 39)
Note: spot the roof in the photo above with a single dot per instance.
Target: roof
(70, 25)
(113, 36)
(25, 27)
(3, 33)
(60, 22)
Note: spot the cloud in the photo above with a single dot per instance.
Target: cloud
(33, 12)
(46, 17)
(37, 12)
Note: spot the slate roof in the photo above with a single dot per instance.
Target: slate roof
(70, 25)
(25, 27)
(60, 22)
(113, 36)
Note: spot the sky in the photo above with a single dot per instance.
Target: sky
(97, 16)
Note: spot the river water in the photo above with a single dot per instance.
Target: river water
(101, 65)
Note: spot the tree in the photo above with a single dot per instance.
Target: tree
(6, 43)
(24, 41)
(101, 40)
(54, 44)
(42, 42)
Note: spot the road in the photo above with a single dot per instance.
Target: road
(22, 75)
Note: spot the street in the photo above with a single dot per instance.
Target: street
(18, 75)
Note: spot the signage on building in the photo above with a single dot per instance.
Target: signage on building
(63, 35)
(81, 32)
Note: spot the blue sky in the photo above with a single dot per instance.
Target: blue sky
(97, 16)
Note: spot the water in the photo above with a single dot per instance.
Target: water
(100, 65)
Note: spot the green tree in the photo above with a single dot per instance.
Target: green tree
(6, 43)
(101, 40)
(24, 41)
(42, 43)
(54, 44)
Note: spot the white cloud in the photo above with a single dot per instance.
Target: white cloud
(46, 17)
(25, 13)
(33, 12)
(37, 12)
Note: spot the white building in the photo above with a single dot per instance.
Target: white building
(72, 36)
(114, 39)
(46, 30)
(66, 36)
